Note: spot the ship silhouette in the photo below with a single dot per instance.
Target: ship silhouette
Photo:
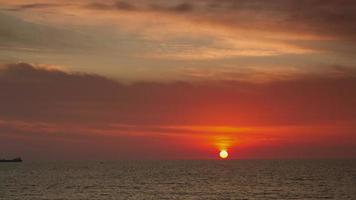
(18, 159)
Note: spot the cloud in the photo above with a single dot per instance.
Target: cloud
(22, 35)
(44, 107)
(118, 5)
(230, 29)
(144, 6)
(182, 7)
(122, 5)
(305, 27)
(33, 93)
(323, 19)
(31, 6)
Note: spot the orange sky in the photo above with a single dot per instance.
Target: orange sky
(147, 79)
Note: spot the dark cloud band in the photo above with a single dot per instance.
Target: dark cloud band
(32, 93)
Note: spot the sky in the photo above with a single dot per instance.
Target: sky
(177, 79)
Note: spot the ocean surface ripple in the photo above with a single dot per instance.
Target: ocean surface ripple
(230, 179)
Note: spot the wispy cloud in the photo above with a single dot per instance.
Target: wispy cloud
(312, 17)
(265, 28)
(31, 6)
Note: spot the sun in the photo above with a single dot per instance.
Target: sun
(223, 154)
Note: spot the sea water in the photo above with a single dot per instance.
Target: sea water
(230, 179)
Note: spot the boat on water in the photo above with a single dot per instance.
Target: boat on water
(11, 160)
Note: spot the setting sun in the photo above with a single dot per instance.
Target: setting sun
(223, 154)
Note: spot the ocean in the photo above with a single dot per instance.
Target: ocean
(220, 179)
